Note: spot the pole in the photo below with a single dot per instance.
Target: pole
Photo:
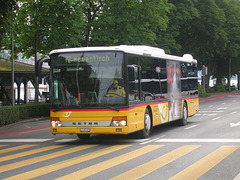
(13, 92)
(229, 83)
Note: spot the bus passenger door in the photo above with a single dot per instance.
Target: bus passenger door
(133, 79)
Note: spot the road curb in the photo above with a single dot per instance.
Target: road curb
(217, 96)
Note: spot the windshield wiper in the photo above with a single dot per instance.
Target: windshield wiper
(104, 105)
(57, 108)
(110, 107)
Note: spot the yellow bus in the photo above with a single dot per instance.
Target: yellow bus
(119, 89)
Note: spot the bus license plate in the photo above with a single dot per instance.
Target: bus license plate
(84, 130)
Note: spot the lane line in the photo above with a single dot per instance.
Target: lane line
(149, 141)
(237, 177)
(206, 114)
(202, 166)
(65, 140)
(210, 111)
(234, 112)
(200, 140)
(60, 165)
(16, 148)
(43, 158)
(190, 127)
(157, 163)
(214, 119)
(26, 153)
(110, 163)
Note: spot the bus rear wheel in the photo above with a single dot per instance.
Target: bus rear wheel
(183, 121)
(83, 136)
(147, 125)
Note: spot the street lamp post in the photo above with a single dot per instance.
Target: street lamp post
(13, 92)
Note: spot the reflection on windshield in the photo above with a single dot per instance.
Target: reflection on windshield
(84, 79)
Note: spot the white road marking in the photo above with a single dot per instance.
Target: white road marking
(66, 140)
(237, 177)
(222, 108)
(155, 139)
(210, 111)
(24, 140)
(191, 126)
(200, 140)
(234, 112)
(206, 114)
(235, 124)
(216, 118)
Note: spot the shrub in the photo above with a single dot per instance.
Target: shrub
(219, 88)
(202, 91)
(9, 114)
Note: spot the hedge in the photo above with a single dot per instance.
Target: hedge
(9, 114)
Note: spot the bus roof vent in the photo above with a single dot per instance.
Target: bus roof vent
(144, 49)
(154, 50)
(187, 56)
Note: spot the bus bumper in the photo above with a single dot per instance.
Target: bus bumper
(90, 130)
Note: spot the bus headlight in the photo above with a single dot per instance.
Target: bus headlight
(119, 121)
(55, 122)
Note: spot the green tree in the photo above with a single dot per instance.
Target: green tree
(91, 9)
(129, 22)
(179, 36)
(231, 53)
(6, 16)
(211, 38)
(197, 27)
(44, 25)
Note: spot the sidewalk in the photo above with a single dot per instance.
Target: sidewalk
(218, 95)
(26, 125)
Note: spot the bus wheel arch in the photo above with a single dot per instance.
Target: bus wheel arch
(183, 120)
(147, 124)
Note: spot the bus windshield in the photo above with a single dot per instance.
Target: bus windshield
(84, 79)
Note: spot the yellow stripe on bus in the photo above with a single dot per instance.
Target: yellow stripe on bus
(202, 166)
(67, 163)
(26, 153)
(157, 163)
(110, 163)
(16, 148)
(43, 158)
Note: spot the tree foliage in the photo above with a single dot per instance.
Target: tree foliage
(207, 29)
(43, 25)
(6, 16)
(114, 22)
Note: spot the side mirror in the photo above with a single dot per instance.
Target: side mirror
(131, 73)
(38, 66)
(158, 70)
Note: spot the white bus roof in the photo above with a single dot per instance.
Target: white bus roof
(132, 49)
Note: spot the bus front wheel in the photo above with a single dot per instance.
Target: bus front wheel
(183, 121)
(147, 125)
(83, 136)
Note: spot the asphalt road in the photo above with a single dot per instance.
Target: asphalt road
(208, 147)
